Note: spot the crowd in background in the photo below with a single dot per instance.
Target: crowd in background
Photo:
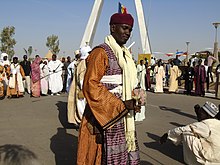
(54, 76)
(37, 77)
(197, 75)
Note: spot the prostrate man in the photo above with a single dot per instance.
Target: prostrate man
(55, 78)
(107, 131)
(200, 139)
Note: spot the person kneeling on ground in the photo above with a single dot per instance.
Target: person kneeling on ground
(200, 139)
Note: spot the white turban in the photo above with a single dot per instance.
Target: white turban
(84, 52)
(76, 52)
(3, 55)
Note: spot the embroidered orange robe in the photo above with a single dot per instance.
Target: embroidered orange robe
(103, 105)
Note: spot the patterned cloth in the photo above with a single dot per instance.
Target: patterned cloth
(115, 148)
(35, 77)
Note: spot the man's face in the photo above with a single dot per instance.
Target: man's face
(63, 60)
(5, 58)
(25, 57)
(121, 33)
(77, 56)
(68, 59)
(54, 57)
(201, 114)
(15, 60)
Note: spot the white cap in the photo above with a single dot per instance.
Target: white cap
(84, 52)
(210, 108)
(76, 52)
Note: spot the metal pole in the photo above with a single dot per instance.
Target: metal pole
(215, 51)
(187, 51)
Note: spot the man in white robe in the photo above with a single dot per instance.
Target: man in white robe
(141, 73)
(44, 74)
(200, 139)
(159, 75)
(55, 78)
(71, 70)
(175, 72)
(76, 101)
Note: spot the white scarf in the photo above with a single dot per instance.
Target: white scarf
(129, 79)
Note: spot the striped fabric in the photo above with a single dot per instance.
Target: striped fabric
(114, 68)
(115, 151)
(114, 147)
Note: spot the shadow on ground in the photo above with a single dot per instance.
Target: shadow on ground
(145, 163)
(64, 147)
(62, 108)
(177, 124)
(178, 111)
(168, 148)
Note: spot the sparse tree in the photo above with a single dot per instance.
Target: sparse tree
(7, 41)
(53, 44)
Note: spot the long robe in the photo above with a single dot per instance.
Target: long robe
(141, 73)
(15, 84)
(76, 106)
(189, 76)
(55, 78)
(200, 141)
(200, 77)
(44, 74)
(174, 74)
(4, 74)
(160, 75)
(70, 74)
(35, 77)
(105, 109)
(217, 84)
(147, 79)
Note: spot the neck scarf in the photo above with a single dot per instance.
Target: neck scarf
(129, 79)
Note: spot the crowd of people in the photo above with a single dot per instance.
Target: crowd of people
(37, 77)
(197, 75)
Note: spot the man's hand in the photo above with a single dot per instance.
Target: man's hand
(131, 105)
(163, 138)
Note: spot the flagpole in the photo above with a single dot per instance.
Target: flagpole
(187, 51)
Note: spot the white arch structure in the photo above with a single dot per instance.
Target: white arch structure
(90, 30)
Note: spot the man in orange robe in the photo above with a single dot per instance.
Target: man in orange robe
(107, 132)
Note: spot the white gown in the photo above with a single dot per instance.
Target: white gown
(55, 78)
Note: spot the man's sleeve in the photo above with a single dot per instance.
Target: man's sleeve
(197, 129)
(105, 106)
(175, 135)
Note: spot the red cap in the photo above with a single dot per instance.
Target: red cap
(119, 18)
